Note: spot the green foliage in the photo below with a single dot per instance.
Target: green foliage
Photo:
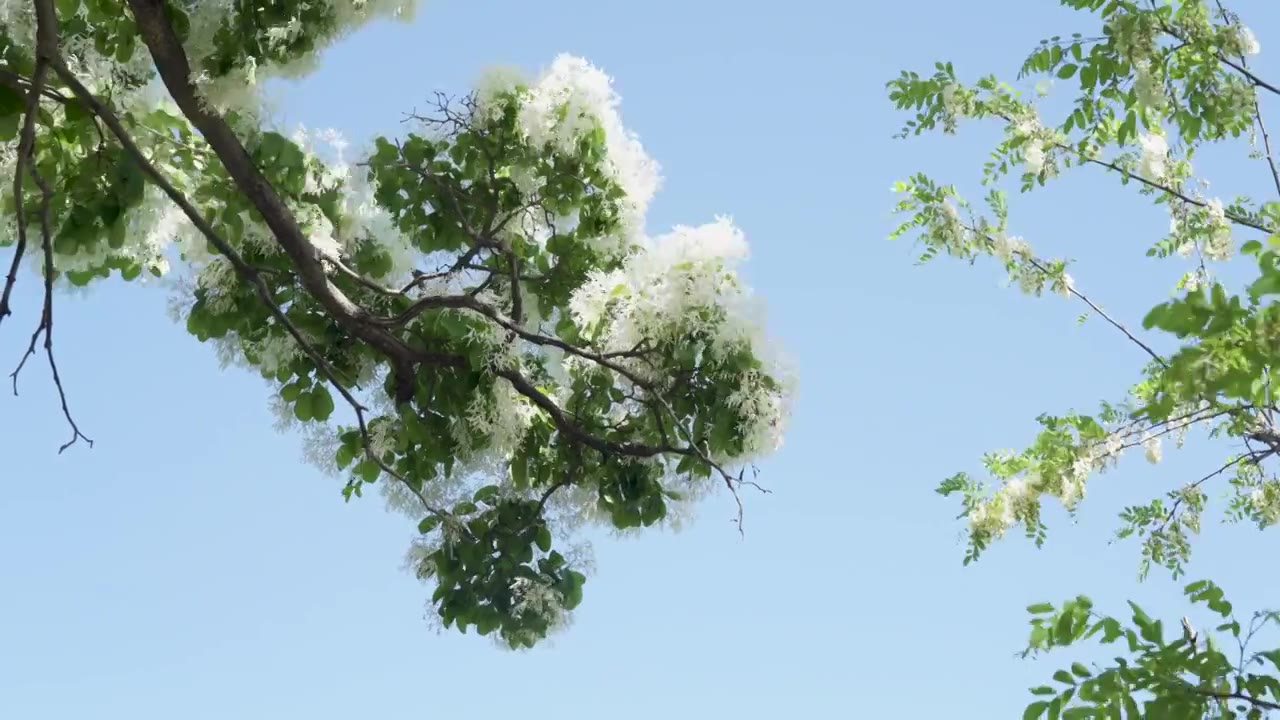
(432, 307)
(1188, 675)
(1157, 82)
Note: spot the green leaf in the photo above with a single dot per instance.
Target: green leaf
(344, 456)
(1043, 690)
(11, 102)
(290, 392)
(321, 403)
(520, 471)
(9, 126)
(302, 407)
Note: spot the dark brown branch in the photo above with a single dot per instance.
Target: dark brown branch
(1257, 702)
(1102, 314)
(26, 144)
(1167, 190)
(171, 60)
(46, 49)
(45, 326)
(576, 432)
(466, 302)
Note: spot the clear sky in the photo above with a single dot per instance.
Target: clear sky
(190, 566)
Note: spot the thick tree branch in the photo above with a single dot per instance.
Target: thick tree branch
(175, 71)
(243, 269)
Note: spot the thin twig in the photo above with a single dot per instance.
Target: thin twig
(26, 143)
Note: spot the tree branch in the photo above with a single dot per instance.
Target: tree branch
(45, 326)
(26, 144)
(1257, 110)
(175, 71)
(242, 268)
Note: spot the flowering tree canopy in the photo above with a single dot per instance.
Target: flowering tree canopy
(1159, 81)
(472, 315)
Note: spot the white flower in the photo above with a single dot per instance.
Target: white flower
(1151, 449)
(1265, 502)
(496, 83)
(1148, 87)
(1002, 247)
(991, 517)
(951, 99)
(572, 98)
(1218, 246)
(681, 284)
(1155, 150)
(1033, 156)
(1249, 42)
(1028, 127)
(1072, 492)
(1065, 285)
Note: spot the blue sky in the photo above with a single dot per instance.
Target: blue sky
(191, 566)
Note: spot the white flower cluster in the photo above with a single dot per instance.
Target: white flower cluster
(681, 284)
(1155, 154)
(537, 598)
(1149, 86)
(1245, 42)
(1036, 143)
(951, 232)
(1008, 248)
(501, 416)
(1134, 37)
(1011, 503)
(362, 217)
(1218, 245)
(1264, 501)
(956, 103)
(568, 100)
